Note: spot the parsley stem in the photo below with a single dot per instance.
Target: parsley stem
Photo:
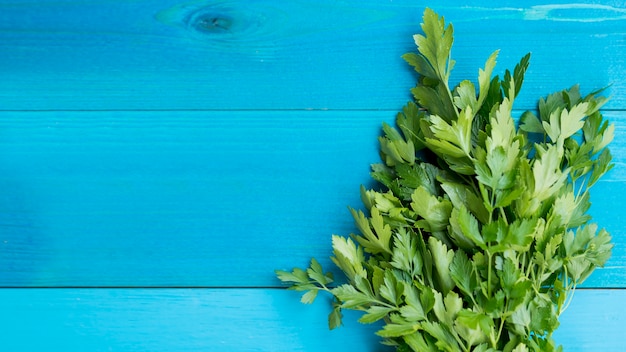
(489, 257)
(570, 298)
(505, 315)
(580, 190)
(523, 268)
(567, 288)
(456, 111)
(503, 215)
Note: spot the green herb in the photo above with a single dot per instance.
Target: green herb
(481, 233)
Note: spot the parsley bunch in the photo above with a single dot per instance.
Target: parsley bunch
(480, 234)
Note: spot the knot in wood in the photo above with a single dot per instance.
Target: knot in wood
(210, 22)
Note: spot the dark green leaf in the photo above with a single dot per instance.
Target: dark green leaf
(421, 65)
(429, 98)
(414, 176)
(529, 122)
(602, 166)
(512, 84)
(409, 123)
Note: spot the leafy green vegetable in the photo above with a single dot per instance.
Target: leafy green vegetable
(482, 233)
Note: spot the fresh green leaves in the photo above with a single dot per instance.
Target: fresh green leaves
(482, 231)
(435, 46)
(311, 280)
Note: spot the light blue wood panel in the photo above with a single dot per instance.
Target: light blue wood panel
(199, 198)
(236, 320)
(176, 198)
(233, 54)
(172, 320)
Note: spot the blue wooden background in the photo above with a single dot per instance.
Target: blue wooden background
(159, 159)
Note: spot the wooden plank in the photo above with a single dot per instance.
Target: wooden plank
(102, 55)
(235, 320)
(171, 320)
(199, 198)
(99, 198)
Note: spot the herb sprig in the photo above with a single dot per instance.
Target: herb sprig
(481, 233)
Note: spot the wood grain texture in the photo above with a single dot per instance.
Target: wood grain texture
(172, 320)
(233, 54)
(200, 198)
(236, 320)
(169, 143)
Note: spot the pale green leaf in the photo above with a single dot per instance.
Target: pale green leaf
(547, 174)
(433, 210)
(444, 339)
(406, 256)
(469, 227)
(350, 297)
(316, 273)
(297, 276)
(520, 348)
(348, 257)
(417, 342)
(436, 43)
(456, 234)
(607, 137)
(572, 121)
(374, 313)
(462, 273)
(335, 316)
(463, 196)
(484, 78)
(376, 240)
(453, 140)
(397, 330)
(465, 96)
(476, 321)
(391, 289)
(442, 258)
(413, 310)
(309, 297)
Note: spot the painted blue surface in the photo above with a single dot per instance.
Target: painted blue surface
(172, 320)
(96, 198)
(235, 320)
(197, 146)
(146, 54)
